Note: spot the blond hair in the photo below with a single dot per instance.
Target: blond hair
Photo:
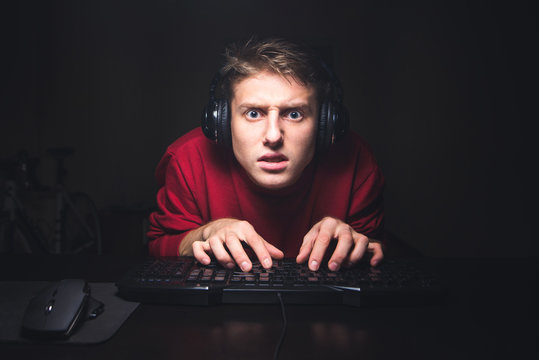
(282, 57)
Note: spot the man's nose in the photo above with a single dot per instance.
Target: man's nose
(274, 132)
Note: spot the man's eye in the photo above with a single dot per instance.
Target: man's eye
(253, 114)
(295, 115)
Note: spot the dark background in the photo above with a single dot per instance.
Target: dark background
(444, 91)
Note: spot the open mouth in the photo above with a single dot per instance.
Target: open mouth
(273, 162)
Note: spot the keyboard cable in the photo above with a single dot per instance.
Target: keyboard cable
(283, 331)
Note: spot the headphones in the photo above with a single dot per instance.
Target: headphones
(333, 119)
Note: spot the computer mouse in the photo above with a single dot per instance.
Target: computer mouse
(56, 311)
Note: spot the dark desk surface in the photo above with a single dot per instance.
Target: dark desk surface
(491, 312)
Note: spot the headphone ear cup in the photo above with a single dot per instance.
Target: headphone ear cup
(333, 124)
(222, 123)
(325, 127)
(216, 122)
(341, 122)
(208, 121)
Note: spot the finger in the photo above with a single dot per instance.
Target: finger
(238, 252)
(274, 252)
(307, 245)
(257, 244)
(345, 242)
(259, 247)
(361, 243)
(321, 243)
(377, 253)
(200, 250)
(220, 252)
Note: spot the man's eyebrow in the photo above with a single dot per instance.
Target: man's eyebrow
(249, 106)
(291, 105)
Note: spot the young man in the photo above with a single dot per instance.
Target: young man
(273, 167)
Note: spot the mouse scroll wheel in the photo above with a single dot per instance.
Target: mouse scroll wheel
(49, 307)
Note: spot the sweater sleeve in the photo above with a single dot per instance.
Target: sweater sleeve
(366, 211)
(177, 212)
(367, 207)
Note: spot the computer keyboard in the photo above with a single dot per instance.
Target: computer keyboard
(183, 280)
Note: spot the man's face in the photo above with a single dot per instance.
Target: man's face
(273, 128)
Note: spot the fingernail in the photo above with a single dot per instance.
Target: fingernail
(333, 266)
(375, 262)
(230, 265)
(206, 261)
(244, 266)
(314, 265)
(267, 263)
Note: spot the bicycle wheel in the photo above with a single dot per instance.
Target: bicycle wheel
(81, 226)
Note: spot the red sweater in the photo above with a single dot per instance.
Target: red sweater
(201, 181)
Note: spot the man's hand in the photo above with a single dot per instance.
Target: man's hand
(351, 245)
(221, 235)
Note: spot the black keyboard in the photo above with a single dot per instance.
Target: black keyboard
(183, 280)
